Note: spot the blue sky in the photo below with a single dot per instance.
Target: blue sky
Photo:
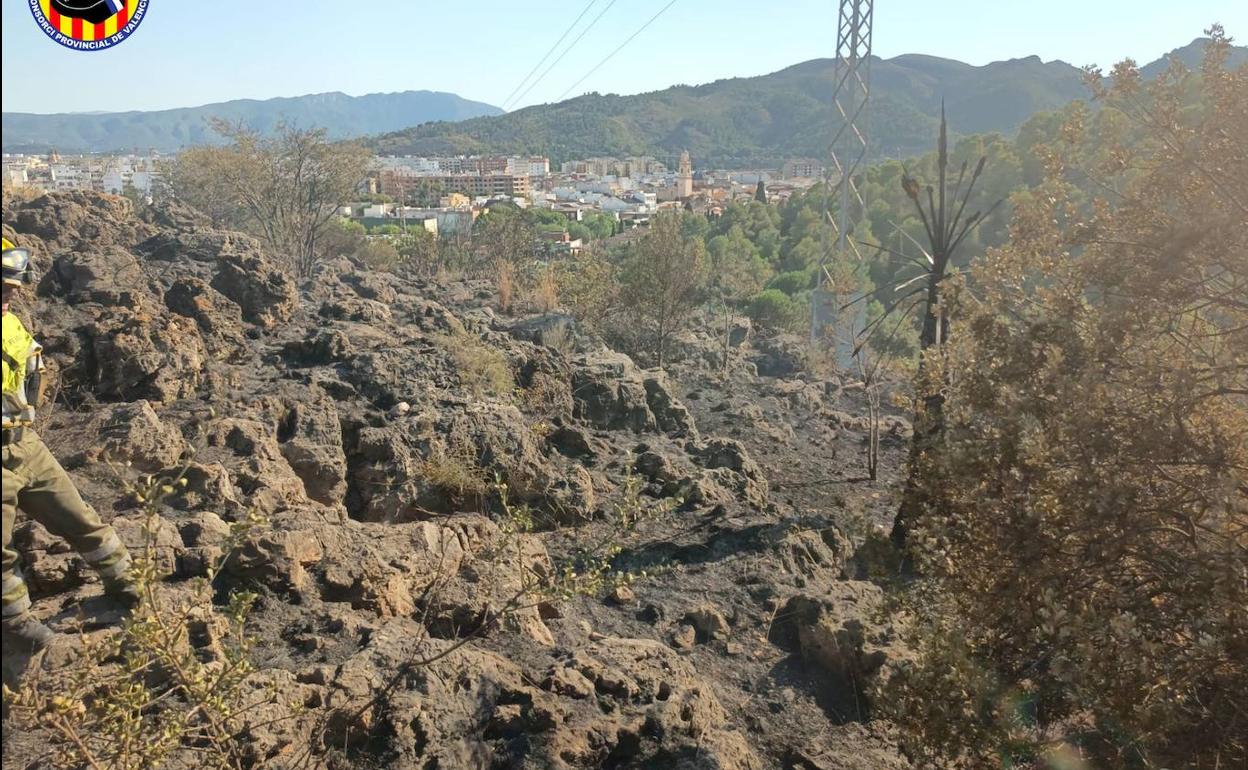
(190, 52)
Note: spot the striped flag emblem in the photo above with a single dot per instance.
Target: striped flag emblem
(78, 29)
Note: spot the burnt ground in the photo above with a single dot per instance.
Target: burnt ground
(349, 409)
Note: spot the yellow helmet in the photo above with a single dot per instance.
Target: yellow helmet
(17, 269)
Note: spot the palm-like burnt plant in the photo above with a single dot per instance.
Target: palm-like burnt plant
(946, 224)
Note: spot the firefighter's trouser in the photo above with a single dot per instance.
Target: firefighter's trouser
(35, 482)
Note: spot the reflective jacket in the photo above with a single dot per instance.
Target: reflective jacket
(22, 359)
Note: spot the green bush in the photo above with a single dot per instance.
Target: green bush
(773, 309)
(791, 283)
(379, 254)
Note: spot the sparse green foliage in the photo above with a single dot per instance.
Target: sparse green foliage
(456, 472)
(660, 283)
(418, 251)
(285, 188)
(587, 286)
(148, 692)
(482, 369)
(379, 254)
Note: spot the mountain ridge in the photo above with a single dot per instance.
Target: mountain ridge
(344, 116)
(761, 120)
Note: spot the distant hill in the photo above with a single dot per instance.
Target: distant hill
(167, 130)
(762, 120)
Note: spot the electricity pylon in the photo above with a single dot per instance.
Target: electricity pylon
(850, 97)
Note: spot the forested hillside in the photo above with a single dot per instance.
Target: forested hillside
(758, 121)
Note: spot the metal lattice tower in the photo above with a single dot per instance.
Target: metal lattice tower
(850, 97)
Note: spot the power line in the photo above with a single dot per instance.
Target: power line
(542, 61)
(554, 63)
(618, 49)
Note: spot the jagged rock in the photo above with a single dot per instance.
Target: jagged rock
(136, 355)
(249, 450)
(321, 346)
(721, 454)
(31, 536)
(565, 680)
(670, 415)
(433, 317)
(134, 433)
(354, 308)
(109, 275)
(204, 537)
(311, 441)
(265, 294)
(840, 634)
(741, 331)
(208, 485)
(655, 467)
(608, 392)
(575, 443)
(219, 319)
(139, 531)
(278, 559)
(815, 554)
(78, 220)
(684, 637)
(780, 356)
(654, 691)
(709, 623)
(202, 244)
(372, 286)
(53, 573)
(569, 495)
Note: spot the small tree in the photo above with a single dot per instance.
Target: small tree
(503, 234)
(760, 192)
(587, 285)
(660, 283)
(419, 251)
(737, 272)
(286, 188)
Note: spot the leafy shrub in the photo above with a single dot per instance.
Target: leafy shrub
(379, 254)
(775, 310)
(1086, 501)
(791, 283)
(587, 286)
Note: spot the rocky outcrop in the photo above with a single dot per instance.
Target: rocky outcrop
(609, 391)
(133, 433)
(137, 354)
(843, 635)
(266, 294)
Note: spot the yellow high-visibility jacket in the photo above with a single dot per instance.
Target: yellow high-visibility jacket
(22, 358)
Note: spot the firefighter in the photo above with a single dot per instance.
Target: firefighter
(35, 482)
